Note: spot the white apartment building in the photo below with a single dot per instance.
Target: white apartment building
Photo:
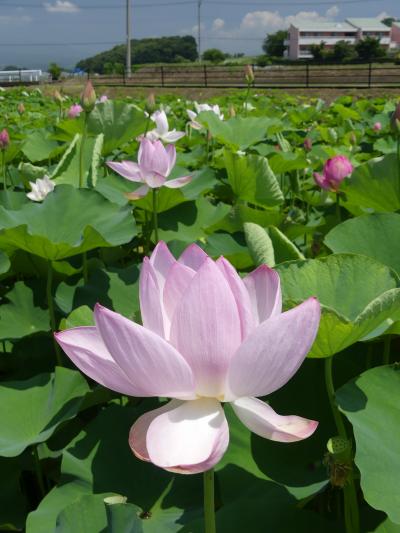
(302, 35)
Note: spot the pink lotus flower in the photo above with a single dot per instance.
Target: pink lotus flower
(162, 131)
(377, 126)
(103, 99)
(74, 111)
(155, 163)
(208, 336)
(4, 139)
(335, 170)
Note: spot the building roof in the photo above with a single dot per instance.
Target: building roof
(305, 25)
(368, 24)
(396, 23)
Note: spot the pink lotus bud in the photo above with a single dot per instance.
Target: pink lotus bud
(21, 108)
(249, 74)
(88, 98)
(335, 170)
(4, 139)
(74, 111)
(103, 98)
(377, 126)
(307, 144)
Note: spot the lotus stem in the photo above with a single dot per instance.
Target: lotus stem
(351, 513)
(209, 502)
(4, 169)
(155, 216)
(246, 99)
(38, 470)
(50, 305)
(386, 349)
(338, 213)
(82, 150)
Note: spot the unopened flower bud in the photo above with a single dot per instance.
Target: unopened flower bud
(150, 103)
(88, 98)
(21, 108)
(353, 138)
(57, 97)
(377, 126)
(395, 120)
(232, 111)
(4, 139)
(249, 74)
(307, 144)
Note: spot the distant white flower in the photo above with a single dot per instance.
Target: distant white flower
(40, 188)
(199, 108)
(161, 132)
(24, 93)
(248, 106)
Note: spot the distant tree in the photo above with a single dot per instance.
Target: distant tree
(343, 51)
(369, 48)
(388, 21)
(214, 55)
(273, 44)
(11, 67)
(157, 50)
(318, 51)
(55, 71)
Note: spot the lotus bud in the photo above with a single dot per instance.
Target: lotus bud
(353, 138)
(21, 108)
(57, 97)
(249, 74)
(150, 103)
(377, 126)
(307, 144)
(395, 120)
(4, 139)
(335, 170)
(232, 111)
(88, 98)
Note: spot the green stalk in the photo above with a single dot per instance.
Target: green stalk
(386, 349)
(246, 98)
(50, 304)
(38, 470)
(351, 513)
(82, 150)
(338, 213)
(398, 154)
(4, 169)
(155, 217)
(209, 503)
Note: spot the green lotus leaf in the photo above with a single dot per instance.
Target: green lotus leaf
(372, 404)
(69, 221)
(357, 295)
(31, 410)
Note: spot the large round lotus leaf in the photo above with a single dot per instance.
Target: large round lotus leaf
(20, 317)
(375, 184)
(376, 235)
(31, 410)
(357, 294)
(372, 405)
(68, 222)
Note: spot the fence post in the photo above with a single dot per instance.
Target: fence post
(307, 75)
(162, 75)
(369, 74)
(205, 76)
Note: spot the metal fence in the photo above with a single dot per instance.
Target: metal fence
(304, 75)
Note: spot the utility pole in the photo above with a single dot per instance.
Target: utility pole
(128, 69)
(199, 29)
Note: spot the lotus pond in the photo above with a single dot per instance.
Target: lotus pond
(288, 190)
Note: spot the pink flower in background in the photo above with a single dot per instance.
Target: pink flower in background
(4, 139)
(335, 170)
(155, 163)
(74, 111)
(377, 126)
(208, 336)
(103, 98)
(162, 131)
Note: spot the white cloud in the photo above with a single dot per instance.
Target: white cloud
(61, 6)
(332, 11)
(218, 24)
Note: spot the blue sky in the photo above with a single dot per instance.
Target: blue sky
(232, 25)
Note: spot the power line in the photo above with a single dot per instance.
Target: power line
(62, 44)
(116, 6)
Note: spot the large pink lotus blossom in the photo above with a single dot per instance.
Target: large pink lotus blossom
(335, 170)
(74, 111)
(208, 336)
(155, 163)
(162, 131)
